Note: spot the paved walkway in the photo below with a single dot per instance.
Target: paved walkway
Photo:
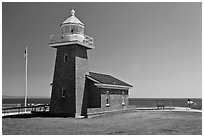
(169, 109)
(133, 109)
(186, 109)
(15, 113)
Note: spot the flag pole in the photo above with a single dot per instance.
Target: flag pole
(26, 75)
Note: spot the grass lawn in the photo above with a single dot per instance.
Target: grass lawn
(138, 123)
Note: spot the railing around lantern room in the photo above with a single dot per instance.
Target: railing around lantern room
(88, 40)
(59, 39)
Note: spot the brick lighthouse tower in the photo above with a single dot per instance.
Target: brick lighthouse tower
(71, 68)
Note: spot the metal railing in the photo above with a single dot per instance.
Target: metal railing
(88, 40)
(59, 38)
(21, 110)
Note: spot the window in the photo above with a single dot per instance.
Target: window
(68, 29)
(63, 93)
(107, 99)
(123, 98)
(65, 58)
(75, 29)
(107, 102)
(72, 31)
(79, 30)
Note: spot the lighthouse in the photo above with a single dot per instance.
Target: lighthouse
(71, 68)
(76, 91)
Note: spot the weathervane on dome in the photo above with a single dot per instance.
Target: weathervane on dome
(72, 12)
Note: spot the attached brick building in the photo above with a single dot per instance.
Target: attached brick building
(75, 90)
(106, 92)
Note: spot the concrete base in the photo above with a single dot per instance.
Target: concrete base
(78, 116)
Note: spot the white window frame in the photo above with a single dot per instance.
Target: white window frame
(62, 93)
(107, 99)
(65, 58)
(123, 98)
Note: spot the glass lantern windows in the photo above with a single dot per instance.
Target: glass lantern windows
(80, 30)
(68, 29)
(65, 29)
(73, 29)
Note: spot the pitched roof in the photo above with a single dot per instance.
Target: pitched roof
(72, 20)
(107, 79)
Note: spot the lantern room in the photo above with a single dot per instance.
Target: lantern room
(72, 32)
(72, 29)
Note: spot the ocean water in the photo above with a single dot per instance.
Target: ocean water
(20, 101)
(138, 102)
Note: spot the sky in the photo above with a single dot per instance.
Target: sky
(155, 47)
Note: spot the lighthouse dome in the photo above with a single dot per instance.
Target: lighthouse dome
(72, 19)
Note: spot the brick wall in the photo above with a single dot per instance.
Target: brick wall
(79, 92)
(116, 99)
(70, 76)
(81, 64)
(64, 75)
(94, 95)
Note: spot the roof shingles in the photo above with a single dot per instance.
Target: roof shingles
(107, 79)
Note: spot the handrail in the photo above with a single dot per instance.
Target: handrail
(59, 38)
(19, 110)
(33, 106)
